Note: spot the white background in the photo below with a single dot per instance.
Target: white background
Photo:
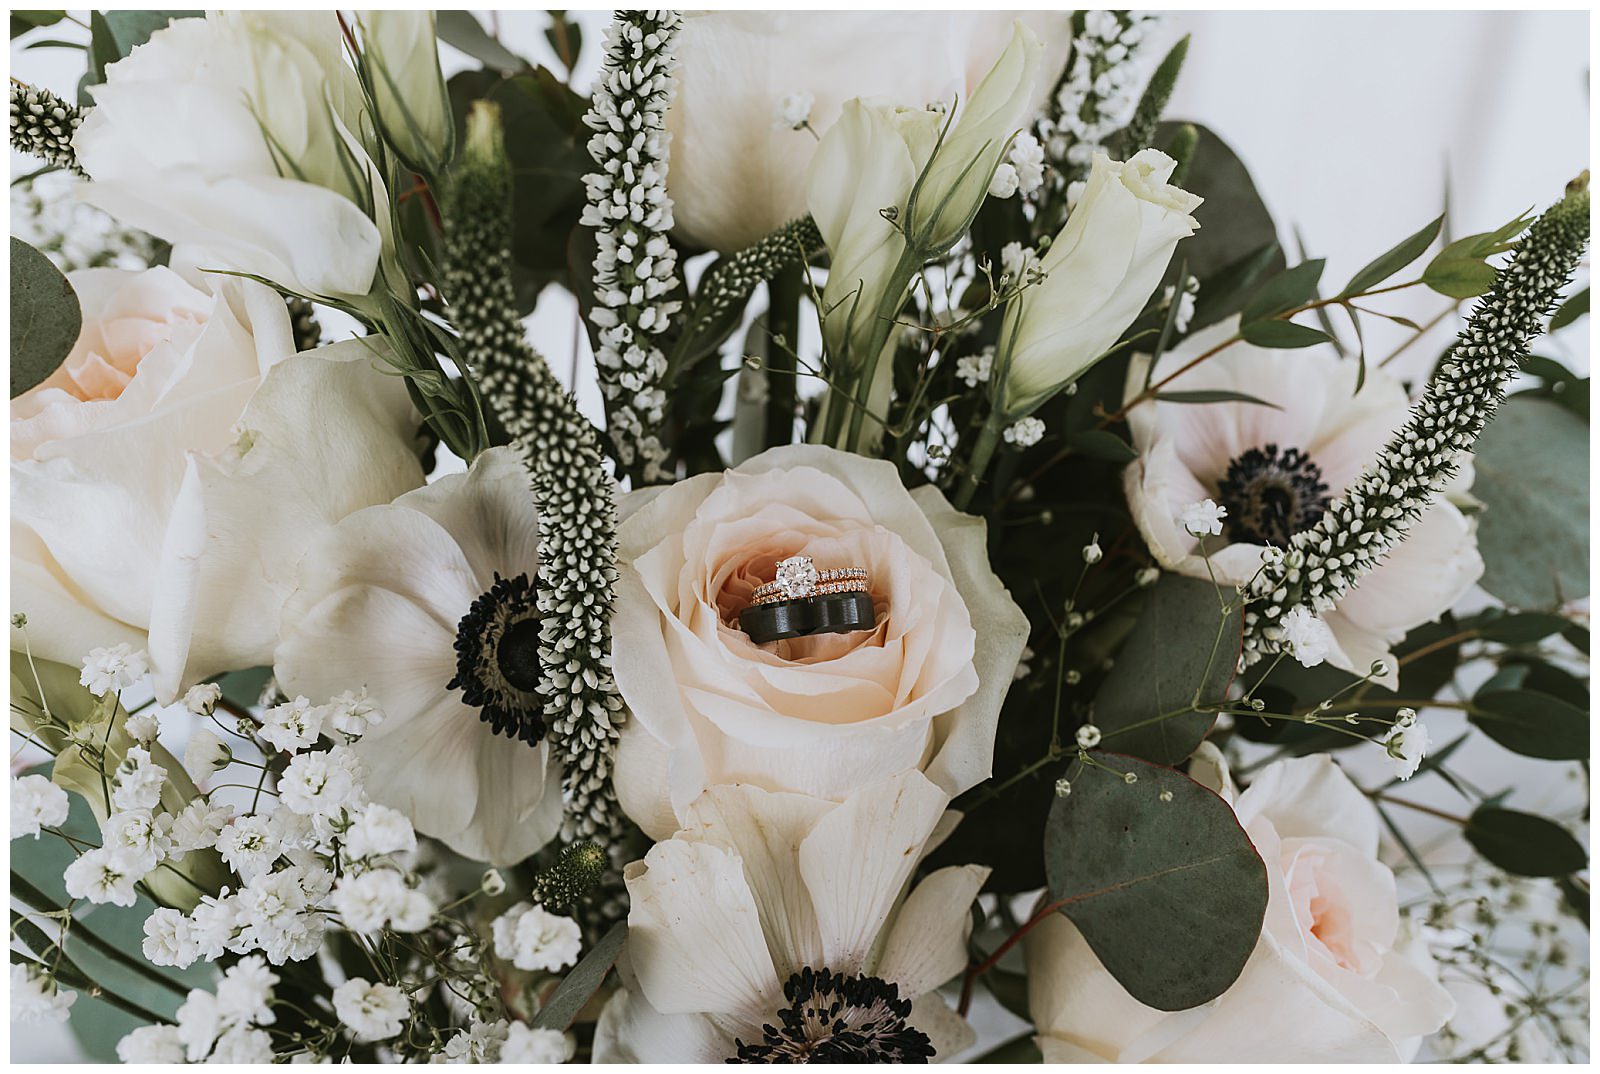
(1350, 123)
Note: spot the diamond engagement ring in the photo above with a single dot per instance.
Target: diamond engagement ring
(797, 578)
(802, 601)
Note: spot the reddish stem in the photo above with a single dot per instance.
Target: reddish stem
(978, 969)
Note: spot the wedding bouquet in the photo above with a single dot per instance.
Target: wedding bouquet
(1004, 588)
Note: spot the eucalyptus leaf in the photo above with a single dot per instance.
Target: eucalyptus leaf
(1216, 395)
(1459, 277)
(45, 317)
(1532, 474)
(1282, 335)
(1159, 878)
(1101, 444)
(582, 981)
(1570, 310)
(1285, 291)
(1223, 294)
(1532, 724)
(1393, 260)
(1234, 221)
(114, 34)
(1521, 629)
(23, 21)
(462, 30)
(1523, 843)
(1181, 647)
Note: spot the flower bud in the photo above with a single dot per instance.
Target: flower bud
(400, 70)
(1098, 274)
(952, 189)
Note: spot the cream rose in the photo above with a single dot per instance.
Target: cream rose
(242, 133)
(166, 479)
(737, 172)
(820, 716)
(1337, 977)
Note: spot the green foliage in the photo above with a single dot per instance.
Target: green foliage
(1284, 292)
(582, 981)
(1214, 395)
(1234, 222)
(1182, 649)
(545, 142)
(1529, 721)
(1461, 269)
(1393, 260)
(1017, 1050)
(1570, 310)
(1524, 844)
(462, 30)
(1282, 335)
(23, 21)
(1532, 474)
(1160, 879)
(1141, 129)
(45, 317)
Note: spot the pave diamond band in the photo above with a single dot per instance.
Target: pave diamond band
(845, 585)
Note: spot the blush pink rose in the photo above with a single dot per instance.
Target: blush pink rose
(819, 716)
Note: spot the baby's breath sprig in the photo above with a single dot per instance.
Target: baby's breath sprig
(42, 125)
(575, 495)
(1376, 511)
(636, 268)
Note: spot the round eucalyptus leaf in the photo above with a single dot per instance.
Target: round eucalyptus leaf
(45, 317)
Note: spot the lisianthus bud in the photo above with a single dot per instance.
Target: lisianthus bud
(400, 69)
(860, 177)
(957, 180)
(1098, 274)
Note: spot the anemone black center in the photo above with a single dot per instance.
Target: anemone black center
(839, 1018)
(497, 659)
(1271, 495)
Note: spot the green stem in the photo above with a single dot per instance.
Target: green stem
(860, 383)
(77, 930)
(783, 324)
(978, 461)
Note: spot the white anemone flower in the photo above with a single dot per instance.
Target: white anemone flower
(767, 903)
(428, 604)
(1276, 468)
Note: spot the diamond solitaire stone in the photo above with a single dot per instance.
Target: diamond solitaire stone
(796, 576)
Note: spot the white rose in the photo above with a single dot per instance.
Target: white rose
(822, 715)
(1337, 976)
(165, 480)
(400, 60)
(735, 176)
(1099, 273)
(242, 133)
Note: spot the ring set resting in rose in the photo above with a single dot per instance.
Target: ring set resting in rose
(801, 601)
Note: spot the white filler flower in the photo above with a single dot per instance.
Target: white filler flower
(532, 938)
(370, 1011)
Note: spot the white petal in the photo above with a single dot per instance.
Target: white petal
(489, 511)
(695, 932)
(766, 830)
(858, 858)
(928, 941)
(1309, 797)
(632, 1031)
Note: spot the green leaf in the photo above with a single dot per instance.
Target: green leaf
(1532, 724)
(565, 38)
(1393, 260)
(1234, 221)
(1282, 335)
(1575, 891)
(1570, 310)
(1285, 291)
(1181, 645)
(23, 21)
(1213, 396)
(1458, 277)
(1100, 444)
(1009, 989)
(461, 30)
(45, 317)
(1532, 474)
(1523, 629)
(582, 981)
(1160, 879)
(1222, 294)
(1524, 844)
